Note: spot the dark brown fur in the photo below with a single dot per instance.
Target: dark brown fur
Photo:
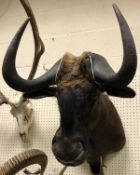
(70, 73)
(100, 126)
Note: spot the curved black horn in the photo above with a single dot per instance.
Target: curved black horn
(101, 70)
(24, 159)
(10, 73)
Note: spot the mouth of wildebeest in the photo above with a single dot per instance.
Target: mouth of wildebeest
(80, 159)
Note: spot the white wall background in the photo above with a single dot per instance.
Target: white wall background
(74, 26)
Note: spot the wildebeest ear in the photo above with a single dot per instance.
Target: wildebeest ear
(42, 93)
(125, 92)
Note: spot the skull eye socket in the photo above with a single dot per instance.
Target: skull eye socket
(25, 119)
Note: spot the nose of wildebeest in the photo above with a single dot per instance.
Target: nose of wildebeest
(68, 152)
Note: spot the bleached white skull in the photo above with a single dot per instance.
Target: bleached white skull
(22, 110)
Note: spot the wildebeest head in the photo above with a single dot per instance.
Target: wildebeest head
(77, 83)
(76, 94)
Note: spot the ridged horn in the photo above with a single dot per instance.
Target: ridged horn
(11, 76)
(24, 159)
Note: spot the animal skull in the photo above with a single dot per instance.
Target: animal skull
(22, 110)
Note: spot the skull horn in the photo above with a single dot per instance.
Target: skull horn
(24, 159)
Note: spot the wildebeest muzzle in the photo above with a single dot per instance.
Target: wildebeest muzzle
(68, 150)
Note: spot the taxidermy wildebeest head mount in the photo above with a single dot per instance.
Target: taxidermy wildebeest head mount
(79, 83)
